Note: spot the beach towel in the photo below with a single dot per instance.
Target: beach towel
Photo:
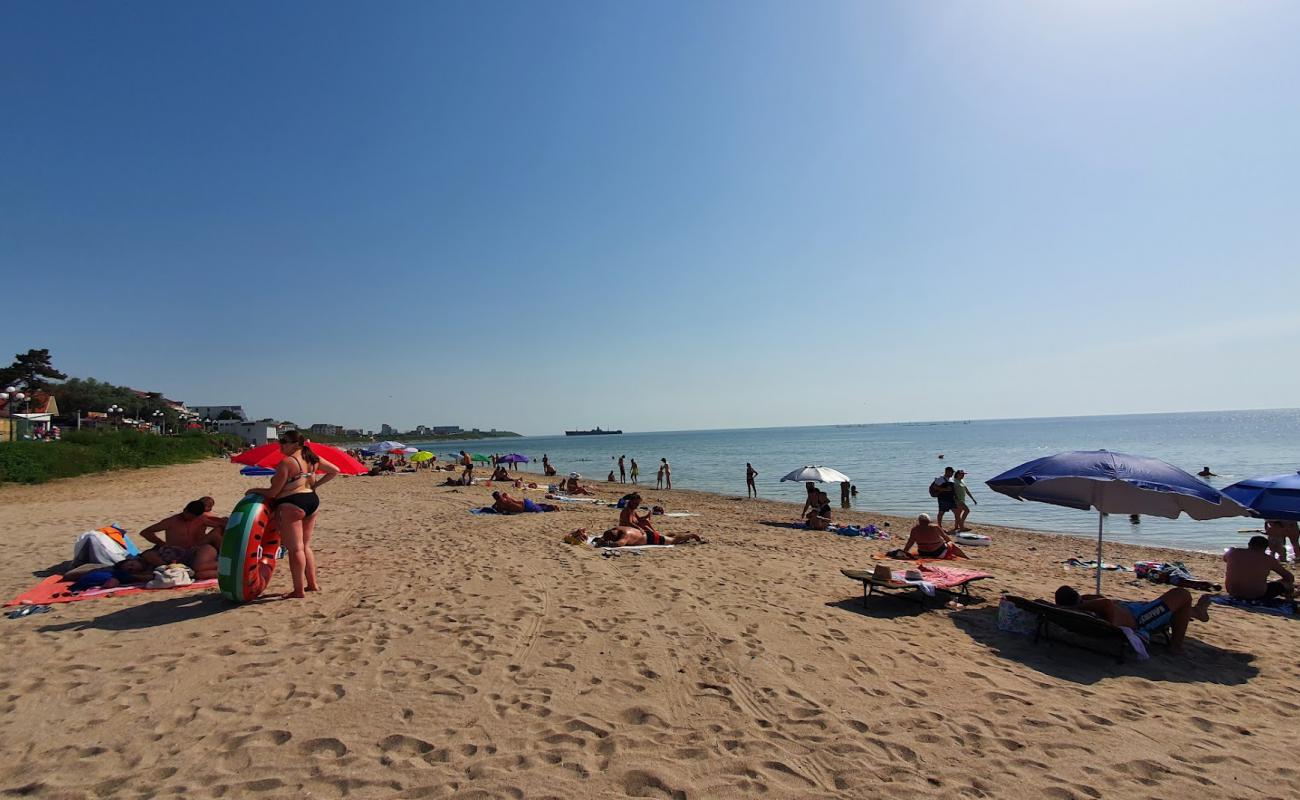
(566, 499)
(484, 510)
(55, 589)
(591, 540)
(865, 531)
(948, 577)
(1092, 564)
(1276, 606)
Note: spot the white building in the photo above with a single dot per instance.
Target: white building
(253, 433)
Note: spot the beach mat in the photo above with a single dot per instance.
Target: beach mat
(1277, 606)
(54, 589)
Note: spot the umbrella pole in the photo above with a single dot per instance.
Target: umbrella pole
(1101, 521)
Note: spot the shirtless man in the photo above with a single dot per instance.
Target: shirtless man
(1174, 608)
(192, 538)
(629, 536)
(668, 474)
(1248, 569)
(466, 477)
(931, 541)
(505, 504)
(750, 474)
(629, 518)
(622, 470)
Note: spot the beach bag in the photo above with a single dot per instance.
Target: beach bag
(104, 546)
(934, 489)
(1014, 619)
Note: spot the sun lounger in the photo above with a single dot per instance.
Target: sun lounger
(949, 580)
(1110, 639)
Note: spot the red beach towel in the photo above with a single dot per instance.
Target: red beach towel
(54, 589)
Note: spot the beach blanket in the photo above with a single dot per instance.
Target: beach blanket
(55, 589)
(1276, 606)
(865, 531)
(679, 514)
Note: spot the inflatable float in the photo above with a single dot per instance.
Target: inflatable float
(248, 550)
(973, 539)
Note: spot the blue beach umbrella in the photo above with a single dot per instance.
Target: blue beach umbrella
(254, 472)
(514, 458)
(1115, 483)
(1272, 497)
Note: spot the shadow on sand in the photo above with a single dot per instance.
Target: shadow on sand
(1199, 662)
(189, 606)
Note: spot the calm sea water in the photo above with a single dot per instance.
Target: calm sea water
(892, 464)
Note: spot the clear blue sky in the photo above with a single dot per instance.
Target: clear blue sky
(657, 215)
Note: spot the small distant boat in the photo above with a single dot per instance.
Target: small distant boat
(593, 432)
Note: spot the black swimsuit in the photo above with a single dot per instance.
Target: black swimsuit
(307, 501)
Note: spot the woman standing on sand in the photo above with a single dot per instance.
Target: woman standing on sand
(294, 502)
(668, 473)
(635, 471)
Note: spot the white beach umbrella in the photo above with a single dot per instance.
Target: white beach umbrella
(816, 474)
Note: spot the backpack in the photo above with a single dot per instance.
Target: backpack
(934, 489)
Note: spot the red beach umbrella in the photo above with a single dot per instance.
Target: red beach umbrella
(269, 455)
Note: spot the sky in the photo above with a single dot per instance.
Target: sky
(657, 215)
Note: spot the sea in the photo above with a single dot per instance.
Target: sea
(892, 464)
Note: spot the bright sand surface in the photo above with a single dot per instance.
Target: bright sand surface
(453, 655)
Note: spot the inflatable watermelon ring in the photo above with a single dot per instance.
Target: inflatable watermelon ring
(248, 550)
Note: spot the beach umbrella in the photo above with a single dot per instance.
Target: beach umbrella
(408, 450)
(816, 474)
(1271, 497)
(423, 455)
(256, 472)
(514, 458)
(382, 447)
(268, 455)
(1115, 483)
(481, 457)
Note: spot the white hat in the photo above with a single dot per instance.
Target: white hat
(574, 475)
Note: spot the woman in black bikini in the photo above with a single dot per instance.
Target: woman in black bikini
(294, 500)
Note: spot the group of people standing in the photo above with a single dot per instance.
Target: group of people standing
(954, 496)
(663, 480)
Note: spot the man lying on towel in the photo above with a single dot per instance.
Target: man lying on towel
(1174, 608)
(505, 504)
(630, 536)
(192, 538)
(931, 541)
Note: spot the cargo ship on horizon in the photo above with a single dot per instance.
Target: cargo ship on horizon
(596, 431)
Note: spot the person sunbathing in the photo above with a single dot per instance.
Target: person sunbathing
(500, 474)
(1248, 570)
(628, 516)
(1173, 609)
(505, 504)
(570, 485)
(631, 536)
(819, 518)
(931, 541)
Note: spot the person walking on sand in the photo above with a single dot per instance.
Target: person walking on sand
(960, 494)
(294, 500)
(466, 477)
(942, 490)
(668, 474)
(636, 471)
(750, 474)
(622, 472)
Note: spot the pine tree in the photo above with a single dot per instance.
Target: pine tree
(32, 370)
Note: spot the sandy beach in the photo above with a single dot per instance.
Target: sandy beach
(453, 655)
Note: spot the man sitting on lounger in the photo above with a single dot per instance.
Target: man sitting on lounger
(192, 538)
(931, 541)
(505, 504)
(630, 536)
(1174, 608)
(1248, 569)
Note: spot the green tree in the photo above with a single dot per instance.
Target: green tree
(33, 370)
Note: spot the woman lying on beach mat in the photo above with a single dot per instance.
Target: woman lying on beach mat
(629, 536)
